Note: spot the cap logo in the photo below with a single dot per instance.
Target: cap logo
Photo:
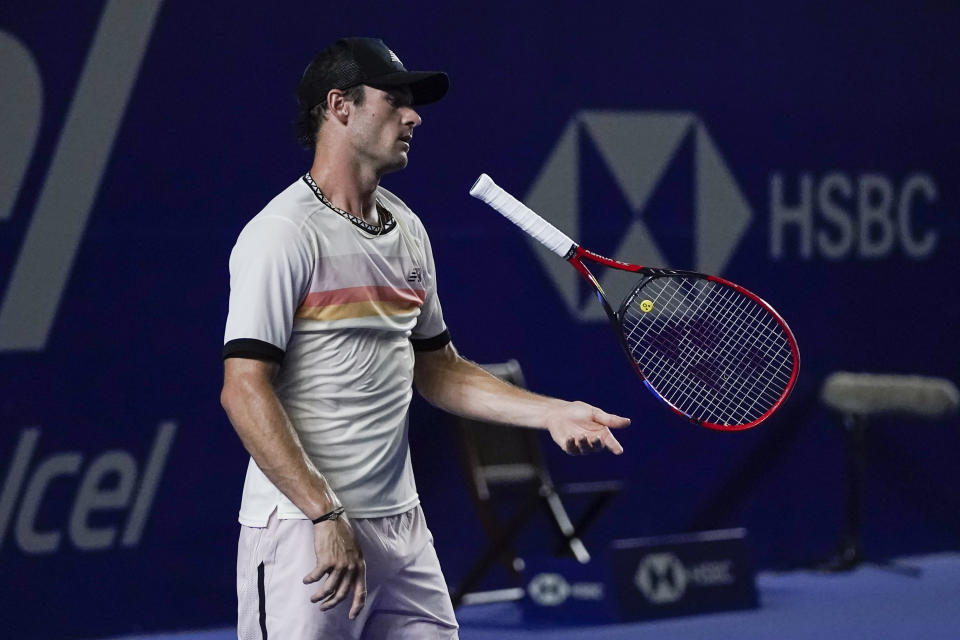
(394, 57)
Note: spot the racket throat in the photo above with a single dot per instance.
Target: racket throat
(612, 316)
(574, 259)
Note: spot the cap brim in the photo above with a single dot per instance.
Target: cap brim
(425, 86)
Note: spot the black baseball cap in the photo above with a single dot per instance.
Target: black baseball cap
(365, 61)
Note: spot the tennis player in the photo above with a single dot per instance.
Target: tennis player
(334, 317)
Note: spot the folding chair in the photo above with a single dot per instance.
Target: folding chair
(497, 457)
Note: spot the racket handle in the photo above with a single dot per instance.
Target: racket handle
(548, 235)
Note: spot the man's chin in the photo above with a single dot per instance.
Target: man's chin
(397, 165)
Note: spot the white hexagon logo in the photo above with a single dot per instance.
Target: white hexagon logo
(661, 577)
(637, 148)
(549, 589)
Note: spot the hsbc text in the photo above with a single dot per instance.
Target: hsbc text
(840, 216)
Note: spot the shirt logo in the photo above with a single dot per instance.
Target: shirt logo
(415, 275)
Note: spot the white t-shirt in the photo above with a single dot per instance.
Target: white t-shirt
(342, 309)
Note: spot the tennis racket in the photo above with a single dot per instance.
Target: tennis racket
(713, 352)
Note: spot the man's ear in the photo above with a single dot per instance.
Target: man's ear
(337, 105)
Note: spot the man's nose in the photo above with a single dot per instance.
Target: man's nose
(411, 117)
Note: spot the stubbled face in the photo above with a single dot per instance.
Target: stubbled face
(383, 128)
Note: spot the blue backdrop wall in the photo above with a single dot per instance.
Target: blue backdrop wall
(807, 150)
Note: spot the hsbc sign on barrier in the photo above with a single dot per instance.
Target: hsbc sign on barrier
(644, 578)
(663, 578)
(683, 574)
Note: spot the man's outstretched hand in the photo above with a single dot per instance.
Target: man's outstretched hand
(579, 428)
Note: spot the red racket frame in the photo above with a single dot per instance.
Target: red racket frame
(575, 257)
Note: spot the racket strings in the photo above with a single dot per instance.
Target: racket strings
(755, 397)
(700, 385)
(682, 384)
(701, 398)
(713, 353)
(702, 392)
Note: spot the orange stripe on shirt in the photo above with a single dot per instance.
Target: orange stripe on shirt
(356, 310)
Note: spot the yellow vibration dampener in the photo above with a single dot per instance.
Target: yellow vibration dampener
(646, 306)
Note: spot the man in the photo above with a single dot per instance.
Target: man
(334, 315)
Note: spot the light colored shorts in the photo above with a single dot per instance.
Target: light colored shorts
(406, 594)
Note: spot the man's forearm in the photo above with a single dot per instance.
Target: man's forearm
(456, 385)
(269, 437)
(462, 387)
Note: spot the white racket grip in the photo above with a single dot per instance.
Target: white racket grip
(548, 235)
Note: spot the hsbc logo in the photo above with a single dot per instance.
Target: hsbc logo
(552, 590)
(637, 148)
(663, 578)
(549, 589)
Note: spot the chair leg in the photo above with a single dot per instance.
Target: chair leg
(493, 528)
(494, 550)
(558, 515)
(849, 554)
(594, 509)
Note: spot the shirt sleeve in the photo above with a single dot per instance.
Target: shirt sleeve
(270, 269)
(431, 332)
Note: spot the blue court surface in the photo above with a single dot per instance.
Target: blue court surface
(873, 602)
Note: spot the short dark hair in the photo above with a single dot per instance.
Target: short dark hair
(309, 120)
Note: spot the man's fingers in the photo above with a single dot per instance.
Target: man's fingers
(316, 574)
(584, 444)
(609, 419)
(330, 586)
(592, 444)
(349, 577)
(359, 596)
(611, 443)
(598, 443)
